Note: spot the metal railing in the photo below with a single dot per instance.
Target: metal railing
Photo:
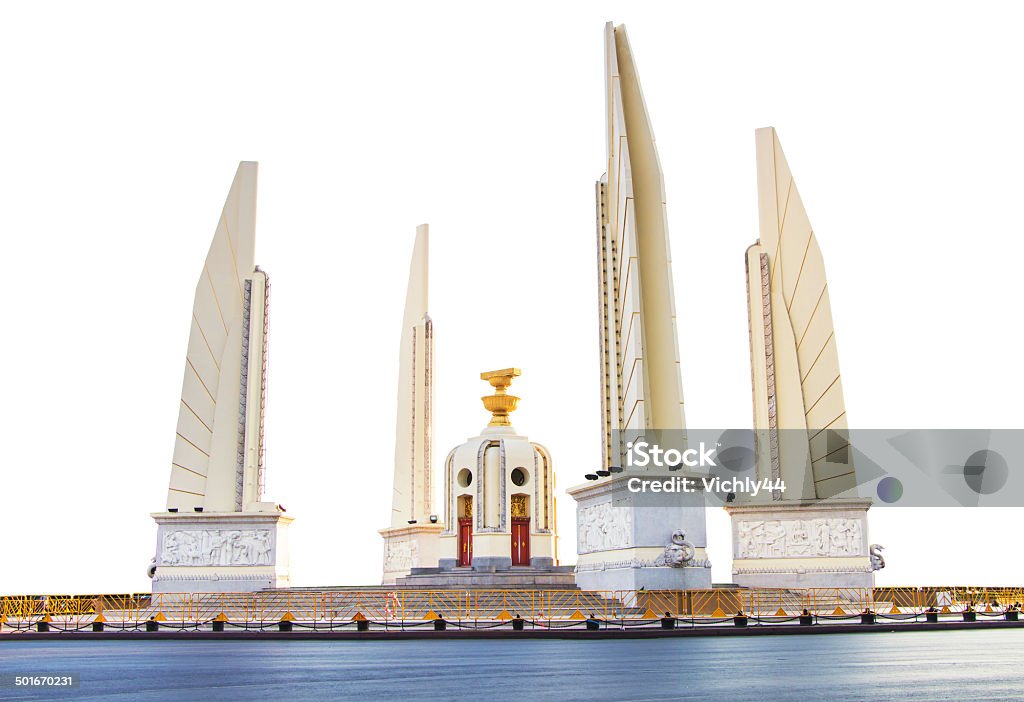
(401, 606)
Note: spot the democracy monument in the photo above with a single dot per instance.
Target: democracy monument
(495, 526)
(471, 549)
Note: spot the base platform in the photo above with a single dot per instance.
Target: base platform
(802, 544)
(606, 630)
(516, 577)
(218, 552)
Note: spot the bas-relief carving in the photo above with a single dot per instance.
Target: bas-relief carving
(603, 526)
(772, 538)
(217, 547)
(400, 556)
(519, 507)
(678, 553)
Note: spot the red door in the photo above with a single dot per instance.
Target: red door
(520, 542)
(465, 541)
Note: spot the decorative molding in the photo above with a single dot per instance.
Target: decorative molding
(502, 487)
(451, 516)
(260, 470)
(544, 479)
(243, 394)
(801, 507)
(769, 352)
(537, 483)
(412, 433)
(213, 577)
(607, 337)
(798, 571)
(635, 563)
(428, 409)
(479, 478)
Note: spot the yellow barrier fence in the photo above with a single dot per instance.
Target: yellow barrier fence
(401, 606)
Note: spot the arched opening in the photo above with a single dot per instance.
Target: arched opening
(520, 529)
(465, 540)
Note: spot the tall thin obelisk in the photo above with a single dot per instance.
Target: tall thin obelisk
(412, 538)
(813, 533)
(216, 533)
(621, 545)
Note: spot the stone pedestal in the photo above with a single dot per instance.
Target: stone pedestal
(802, 544)
(405, 548)
(624, 542)
(221, 551)
(513, 578)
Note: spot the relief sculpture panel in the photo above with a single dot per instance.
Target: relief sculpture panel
(796, 538)
(400, 556)
(217, 547)
(603, 526)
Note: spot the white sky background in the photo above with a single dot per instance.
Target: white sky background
(122, 126)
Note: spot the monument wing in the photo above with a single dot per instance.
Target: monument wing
(206, 445)
(805, 390)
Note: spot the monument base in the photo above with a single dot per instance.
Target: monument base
(409, 547)
(220, 552)
(627, 541)
(807, 544)
(533, 577)
(635, 569)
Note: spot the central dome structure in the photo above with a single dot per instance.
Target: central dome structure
(499, 510)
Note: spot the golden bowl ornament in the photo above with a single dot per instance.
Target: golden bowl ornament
(500, 404)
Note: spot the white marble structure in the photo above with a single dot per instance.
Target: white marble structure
(499, 510)
(814, 534)
(621, 543)
(412, 538)
(217, 534)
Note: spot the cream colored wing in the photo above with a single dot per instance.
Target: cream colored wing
(207, 446)
(808, 387)
(411, 497)
(639, 343)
